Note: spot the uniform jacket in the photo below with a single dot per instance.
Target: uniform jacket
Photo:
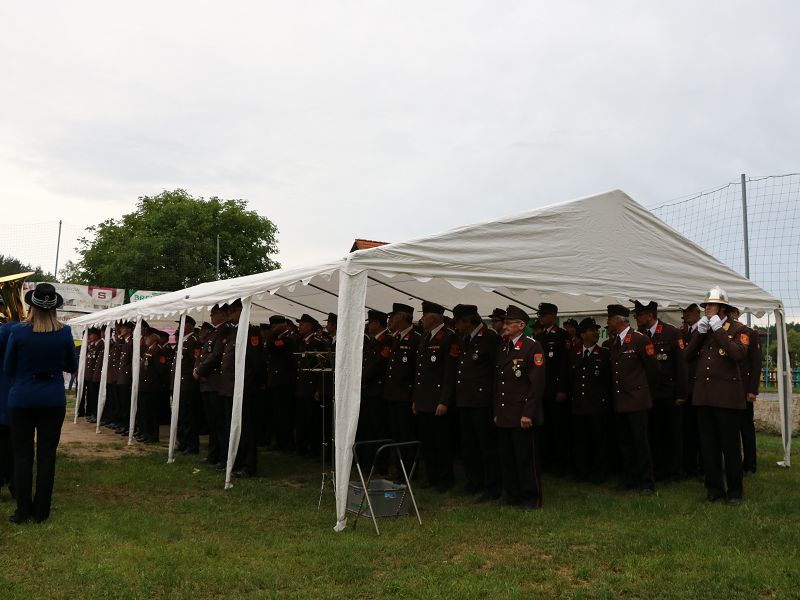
(190, 352)
(35, 362)
(590, 381)
(691, 365)
(434, 381)
(153, 369)
(377, 352)
(752, 364)
(719, 380)
(475, 371)
(520, 379)
(210, 359)
(281, 360)
(557, 345)
(97, 368)
(672, 374)
(308, 381)
(635, 370)
(254, 363)
(401, 369)
(5, 380)
(113, 361)
(124, 361)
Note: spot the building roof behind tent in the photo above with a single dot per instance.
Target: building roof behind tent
(584, 252)
(360, 244)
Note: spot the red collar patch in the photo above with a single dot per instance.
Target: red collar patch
(658, 327)
(518, 345)
(628, 339)
(440, 335)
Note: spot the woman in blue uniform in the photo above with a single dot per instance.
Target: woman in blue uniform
(39, 350)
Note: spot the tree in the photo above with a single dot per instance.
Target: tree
(170, 242)
(11, 266)
(792, 341)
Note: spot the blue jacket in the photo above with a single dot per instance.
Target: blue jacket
(5, 382)
(36, 362)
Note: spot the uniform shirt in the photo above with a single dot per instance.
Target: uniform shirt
(634, 369)
(475, 372)
(556, 344)
(436, 368)
(669, 350)
(590, 380)
(124, 361)
(210, 359)
(401, 367)
(719, 381)
(519, 382)
(190, 352)
(153, 369)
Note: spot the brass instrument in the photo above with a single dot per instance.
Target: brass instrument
(13, 306)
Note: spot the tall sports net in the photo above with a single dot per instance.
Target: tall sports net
(714, 220)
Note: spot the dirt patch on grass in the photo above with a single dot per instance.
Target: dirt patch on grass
(79, 440)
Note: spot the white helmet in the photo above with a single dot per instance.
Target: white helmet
(716, 295)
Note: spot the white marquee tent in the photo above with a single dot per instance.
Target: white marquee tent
(581, 255)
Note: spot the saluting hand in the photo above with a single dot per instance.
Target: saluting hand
(525, 422)
(751, 397)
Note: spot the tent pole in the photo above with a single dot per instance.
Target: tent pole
(79, 391)
(101, 396)
(176, 391)
(334, 294)
(242, 336)
(300, 304)
(137, 353)
(396, 289)
(784, 377)
(516, 300)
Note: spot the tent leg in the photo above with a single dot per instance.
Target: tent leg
(784, 377)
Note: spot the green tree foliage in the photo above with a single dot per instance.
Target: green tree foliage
(11, 266)
(792, 340)
(170, 242)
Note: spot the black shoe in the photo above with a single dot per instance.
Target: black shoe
(714, 496)
(529, 507)
(749, 471)
(18, 519)
(647, 491)
(489, 496)
(444, 487)
(734, 501)
(221, 466)
(243, 473)
(624, 486)
(204, 461)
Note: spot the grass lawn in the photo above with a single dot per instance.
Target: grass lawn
(135, 527)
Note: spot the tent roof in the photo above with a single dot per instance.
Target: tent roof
(580, 255)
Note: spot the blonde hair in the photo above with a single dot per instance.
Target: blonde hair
(43, 321)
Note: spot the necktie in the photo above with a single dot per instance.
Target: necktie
(649, 333)
(586, 353)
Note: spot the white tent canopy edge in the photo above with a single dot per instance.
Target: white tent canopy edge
(581, 255)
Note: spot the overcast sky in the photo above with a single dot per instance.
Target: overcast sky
(386, 120)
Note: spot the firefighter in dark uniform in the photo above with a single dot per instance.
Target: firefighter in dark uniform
(207, 372)
(635, 371)
(556, 442)
(124, 377)
(153, 373)
(433, 395)
(92, 372)
(474, 399)
(692, 465)
(719, 395)
(308, 427)
(281, 346)
(669, 393)
(751, 370)
(498, 318)
(108, 415)
(377, 351)
(592, 402)
(518, 390)
(571, 327)
(400, 372)
(190, 408)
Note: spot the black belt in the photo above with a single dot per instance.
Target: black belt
(43, 376)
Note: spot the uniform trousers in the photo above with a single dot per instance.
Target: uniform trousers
(719, 437)
(148, 416)
(748, 432)
(282, 412)
(108, 407)
(83, 405)
(479, 448)
(692, 464)
(223, 426)
(123, 405)
(92, 393)
(6, 459)
(43, 423)
(590, 446)
(305, 424)
(188, 420)
(666, 421)
(247, 454)
(634, 448)
(212, 407)
(437, 448)
(264, 425)
(556, 440)
(520, 465)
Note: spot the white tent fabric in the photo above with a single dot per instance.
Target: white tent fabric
(580, 255)
(79, 391)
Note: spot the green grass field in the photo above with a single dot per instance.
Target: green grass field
(135, 527)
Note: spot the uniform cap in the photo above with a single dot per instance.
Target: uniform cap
(617, 310)
(716, 295)
(691, 306)
(305, 318)
(377, 315)
(402, 308)
(545, 308)
(332, 318)
(464, 311)
(587, 323)
(498, 313)
(515, 313)
(573, 322)
(638, 307)
(432, 307)
(277, 319)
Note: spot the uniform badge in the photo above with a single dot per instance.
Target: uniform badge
(433, 358)
(475, 356)
(518, 373)
(162, 360)
(255, 341)
(197, 353)
(681, 344)
(628, 339)
(726, 326)
(386, 352)
(550, 354)
(650, 350)
(722, 352)
(279, 343)
(404, 359)
(745, 339)
(455, 350)
(538, 360)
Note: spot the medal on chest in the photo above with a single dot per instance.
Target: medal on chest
(475, 356)
(433, 358)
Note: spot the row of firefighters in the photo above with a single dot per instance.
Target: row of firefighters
(652, 403)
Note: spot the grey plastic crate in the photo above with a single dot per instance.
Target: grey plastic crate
(386, 497)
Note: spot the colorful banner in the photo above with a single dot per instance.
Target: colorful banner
(136, 295)
(85, 297)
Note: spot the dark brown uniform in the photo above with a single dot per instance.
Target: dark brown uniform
(557, 430)
(592, 402)
(720, 399)
(692, 465)
(281, 380)
(208, 369)
(153, 374)
(399, 386)
(434, 384)
(666, 416)
(752, 372)
(635, 371)
(92, 375)
(474, 398)
(308, 398)
(190, 411)
(372, 417)
(111, 384)
(124, 382)
(518, 389)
